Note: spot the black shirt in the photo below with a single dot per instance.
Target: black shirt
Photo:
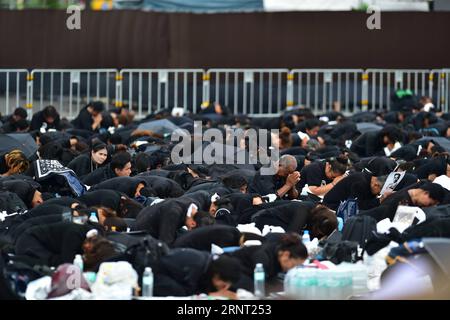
(389, 206)
(355, 186)
(38, 120)
(163, 220)
(84, 120)
(62, 241)
(82, 165)
(313, 175)
(266, 184)
(202, 238)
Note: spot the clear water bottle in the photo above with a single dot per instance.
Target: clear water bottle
(78, 261)
(340, 224)
(93, 217)
(306, 238)
(260, 281)
(322, 285)
(147, 283)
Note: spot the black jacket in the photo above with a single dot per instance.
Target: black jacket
(389, 206)
(163, 187)
(202, 238)
(53, 244)
(173, 280)
(265, 184)
(99, 175)
(8, 227)
(38, 120)
(356, 186)
(292, 216)
(267, 254)
(313, 175)
(82, 165)
(164, 219)
(84, 120)
(105, 198)
(32, 222)
(368, 144)
(126, 185)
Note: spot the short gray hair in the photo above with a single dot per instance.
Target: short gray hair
(288, 161)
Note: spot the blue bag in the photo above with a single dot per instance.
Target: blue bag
(347, 209)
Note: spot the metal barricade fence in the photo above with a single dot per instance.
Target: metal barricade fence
(439, 78)
(70, 89)
(318, 89)
(13, 89)
(256, 92)
(150, 90)
(247, 91)
(383, 83)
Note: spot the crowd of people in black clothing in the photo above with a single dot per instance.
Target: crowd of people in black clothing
(132, 190)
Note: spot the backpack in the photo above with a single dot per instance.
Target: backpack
(146, 253)
(11, 203)
(347, 209)
(437, 212)
(15, 275)
(343, 251)
(359, 229)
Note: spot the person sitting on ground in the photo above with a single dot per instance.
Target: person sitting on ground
(120, 166)
(54, 244)
(13, 162)
(90, 117)
(278, 255)
(131, 186)
(362, 186)
(372, 143)
(46, 119)
(25, 190)
(202, 238)
(321, 177)
(295, 216)
(87, 163)
(14, 121)
(282, 183)
(124, 206)
(201, 273)
(420, 195)
(164, 220)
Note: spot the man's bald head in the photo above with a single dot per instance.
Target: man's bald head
(287, 165)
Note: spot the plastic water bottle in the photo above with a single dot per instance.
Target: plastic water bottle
(340, 224)
(147, 283)
(306, 238)
(78, 261)
(93, 217)
(322, 291)
(259, 281)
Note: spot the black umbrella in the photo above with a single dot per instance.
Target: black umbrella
(21, 141)
(442, 141)
(367, 126)
(162, 126)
